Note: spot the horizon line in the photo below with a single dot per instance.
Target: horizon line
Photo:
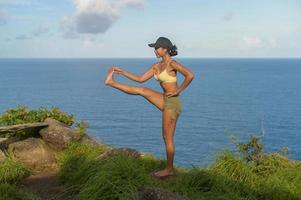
(149, 57)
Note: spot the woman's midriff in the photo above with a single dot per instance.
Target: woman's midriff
(169, 87)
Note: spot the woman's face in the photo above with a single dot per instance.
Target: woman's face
(160, 51)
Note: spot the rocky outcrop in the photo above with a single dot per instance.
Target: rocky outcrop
(38, 154)
(5, 142)
(58, 134)
(152, 193)
(87, 140)
(34, 154)
(127, 151)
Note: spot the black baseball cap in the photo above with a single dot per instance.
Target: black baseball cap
(162, 42)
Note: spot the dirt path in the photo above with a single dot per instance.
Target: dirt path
(46, 185)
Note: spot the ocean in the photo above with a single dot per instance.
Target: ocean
(228, 96)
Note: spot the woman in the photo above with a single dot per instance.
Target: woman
(168, 102)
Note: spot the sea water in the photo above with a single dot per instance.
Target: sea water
(232, 96)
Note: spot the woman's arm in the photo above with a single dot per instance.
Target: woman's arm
(148, 74)
(138, 78)
(131, 76)
(189, 76)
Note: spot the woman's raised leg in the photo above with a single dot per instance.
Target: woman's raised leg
(152, 96)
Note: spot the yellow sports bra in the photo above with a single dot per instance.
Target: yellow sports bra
(165, 77)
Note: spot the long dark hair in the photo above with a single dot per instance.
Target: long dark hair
(173, 50)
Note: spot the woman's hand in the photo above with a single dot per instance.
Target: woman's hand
(118, 70)
(171, 94)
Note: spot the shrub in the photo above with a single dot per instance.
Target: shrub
(22, 115)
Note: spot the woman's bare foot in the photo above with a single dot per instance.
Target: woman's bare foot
(164, 172)
(109, 80)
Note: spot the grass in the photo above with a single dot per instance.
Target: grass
(274, 177)
(10, 192)
(270, 177)
(12, 171)
(75, 162)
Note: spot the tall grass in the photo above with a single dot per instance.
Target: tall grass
(112, 178)
(264, 176)
(269, 176)
(115, 178)
(12, 171)
(10, 192)
(75, 163)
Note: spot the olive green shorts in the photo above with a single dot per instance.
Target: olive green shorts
(173, 103)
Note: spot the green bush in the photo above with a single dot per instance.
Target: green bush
(22, 115)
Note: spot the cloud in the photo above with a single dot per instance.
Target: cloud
(23, 37)
(40, 31)
(68, 27)
(254, 41)
(91, 43)
(272, 42)
(33, 34)
(130, 3)
(258, 42)
(94, 16)
(228, 16)
(3, 17)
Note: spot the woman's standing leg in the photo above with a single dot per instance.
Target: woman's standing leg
(169, 122)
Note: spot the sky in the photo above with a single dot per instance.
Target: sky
(123, 28)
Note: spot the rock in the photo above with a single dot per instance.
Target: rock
(23, 126)
(3, 139)
(58, 134)
(5, 142)
(87, 140)
(34, 154)
(127, 151)
(152, 193)
(2, 156)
